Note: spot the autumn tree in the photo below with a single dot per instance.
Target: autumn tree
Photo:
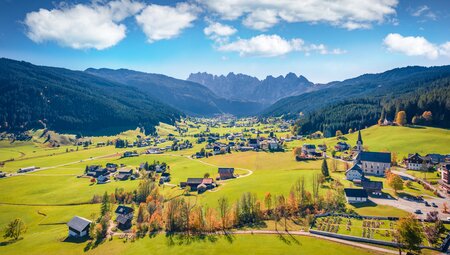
(339, 133)
(427, 116)
(409, 234)
(14, 229)
(268, 202)
(400, 119)
(224, 211)
(395, 182)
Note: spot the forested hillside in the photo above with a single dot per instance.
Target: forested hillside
(72, 101)
(359, 113)
(362, 101)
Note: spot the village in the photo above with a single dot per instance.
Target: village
(203, 161)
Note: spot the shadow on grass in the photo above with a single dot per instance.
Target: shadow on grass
(5, 243)
(287, 238)
(71, 239)
(177, 239)
(365, 204)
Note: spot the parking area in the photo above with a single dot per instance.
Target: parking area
(411, 205)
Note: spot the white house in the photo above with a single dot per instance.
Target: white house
(78, 226)
(355, 195)
(417, 162)
(309, 149)
(354, 173)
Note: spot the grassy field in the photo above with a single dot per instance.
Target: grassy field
(263, 171)
(402, 140)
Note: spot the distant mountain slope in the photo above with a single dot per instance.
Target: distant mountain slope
(73, 101)
(390, 83)
(361, 101)
(189, 97)
(244, 87)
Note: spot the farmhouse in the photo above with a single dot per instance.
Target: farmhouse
(96, 171)
(79, 227)
(354, 173)
(226, 173)
(111, 167)
(309, 149)
(372, 186)
(198, 184)
(103, 179)
(124, 174)
(154, 150)
(128, 154)
(418, 162)
(124, 216)
(254, 143)
(341, 146)
(355, 195)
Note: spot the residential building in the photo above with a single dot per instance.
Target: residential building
(309, 149)
(374, 163)
(79, 227)
(418, 162)
(355, 195)
(445, 176)
(226, 173)
(354, 173)
(124, 216)
(372, 186)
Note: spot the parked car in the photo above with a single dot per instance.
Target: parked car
(434, 205)
(427, 204)
(418, 211)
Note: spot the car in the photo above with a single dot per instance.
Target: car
(418, 211)
(448, 218)
(434, 205)
(427, 204)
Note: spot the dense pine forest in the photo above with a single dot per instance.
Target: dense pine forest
(428, 105)
(73, 102)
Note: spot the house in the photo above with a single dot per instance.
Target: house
(417, 162)
(96, 171)
(79, 227)
(355, 195)
(436, 158)
(374, 163)
(445, 176)
(322, 147)
(111, 167)
(342, 146)
(124, 216)
(198, 184)
(270, 145)
(154, 150)
(226, 173)
(372, 186)
(245, 148)
(254, 143)
(354, 173)
(103, 179)
(124, 174)
(128, 154)
(309, 149)
(26, 169)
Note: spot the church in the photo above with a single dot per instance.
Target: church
(372, 163)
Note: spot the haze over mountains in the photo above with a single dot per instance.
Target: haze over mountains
(106, 101)
(245, 87)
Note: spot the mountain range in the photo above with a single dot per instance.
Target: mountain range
(106, 101)
(248, 88)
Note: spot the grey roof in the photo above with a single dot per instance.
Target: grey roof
(356, 167)
(121, 209)
(372, 185)
(383, 157)
(359, 137)
(224, 170)
(193, 181)
(122, 219)
(355, 192)
(78, 223)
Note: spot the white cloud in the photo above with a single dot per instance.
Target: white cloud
(411, 46)
(445, 49)
(82, 26)
(424, 11)
(272, 46)
(218, 30)
(263, 14)
(261, 19)
(164, 22)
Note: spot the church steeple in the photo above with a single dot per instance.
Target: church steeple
(359, 143)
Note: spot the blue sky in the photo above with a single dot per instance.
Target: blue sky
(322, 40)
